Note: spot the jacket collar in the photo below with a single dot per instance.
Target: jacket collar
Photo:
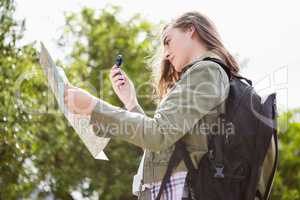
(204, 55)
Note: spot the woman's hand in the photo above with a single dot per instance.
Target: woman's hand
(78, 100)
(123, 87)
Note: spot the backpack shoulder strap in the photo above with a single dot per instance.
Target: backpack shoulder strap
(180, 153)
(271, 179)
(227, 70)
(173, 162)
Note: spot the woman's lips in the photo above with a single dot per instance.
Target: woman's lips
(171, 60)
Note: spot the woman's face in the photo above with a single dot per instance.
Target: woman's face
(177, 46)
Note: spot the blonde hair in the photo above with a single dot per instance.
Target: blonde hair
(163, 72)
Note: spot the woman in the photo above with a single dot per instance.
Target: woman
(191, 92)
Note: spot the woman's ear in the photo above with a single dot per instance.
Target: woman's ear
(191, 30)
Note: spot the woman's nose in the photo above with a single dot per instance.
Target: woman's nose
(167, 55)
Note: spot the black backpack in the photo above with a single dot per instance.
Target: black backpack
(231, 168)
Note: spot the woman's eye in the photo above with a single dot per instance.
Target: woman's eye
(167, 42)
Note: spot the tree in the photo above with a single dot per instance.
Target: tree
(287, 180)
(98, 37)
(40, 154)
(15, 132)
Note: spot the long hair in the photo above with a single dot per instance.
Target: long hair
(164, 73)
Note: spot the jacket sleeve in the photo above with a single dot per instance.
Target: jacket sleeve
(137, 109)
(201, 88)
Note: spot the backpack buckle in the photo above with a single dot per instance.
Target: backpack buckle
(219, 171)
(211, 154)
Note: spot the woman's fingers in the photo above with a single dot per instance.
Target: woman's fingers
(116, 79)
(115, 71)
(116, 75)
(115, 66)
(68, 93)
(120, 83)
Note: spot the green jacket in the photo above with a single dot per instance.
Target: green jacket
(195, 100)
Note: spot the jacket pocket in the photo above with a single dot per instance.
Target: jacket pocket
(163, 157)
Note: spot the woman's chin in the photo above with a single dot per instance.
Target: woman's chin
(178, 69)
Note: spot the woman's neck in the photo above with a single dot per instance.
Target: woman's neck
(197, 52)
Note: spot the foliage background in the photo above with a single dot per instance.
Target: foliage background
(41, 156)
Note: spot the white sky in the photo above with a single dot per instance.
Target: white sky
(265, 32)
